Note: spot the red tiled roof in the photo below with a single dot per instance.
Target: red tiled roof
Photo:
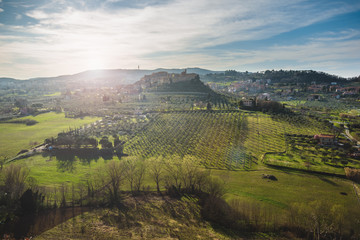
(326, 136)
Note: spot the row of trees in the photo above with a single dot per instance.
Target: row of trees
(70, 140)
(265, 106)
(174, 174)
(281, 76)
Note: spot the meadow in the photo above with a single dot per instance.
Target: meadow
(17, 136)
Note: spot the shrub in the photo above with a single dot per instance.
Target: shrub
(352, 174)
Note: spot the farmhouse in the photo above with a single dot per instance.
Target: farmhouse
(313, 97)
(326, 139)
(248, 102)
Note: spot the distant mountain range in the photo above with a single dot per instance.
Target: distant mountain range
(116, 77)
(107, 77)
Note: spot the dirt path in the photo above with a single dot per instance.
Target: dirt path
(347, 132)
(357, 192)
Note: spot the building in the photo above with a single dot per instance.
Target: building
(160, 78)
(250, 102)
(326, 139)
(314, 97)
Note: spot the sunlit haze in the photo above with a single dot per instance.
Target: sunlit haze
(50, 38)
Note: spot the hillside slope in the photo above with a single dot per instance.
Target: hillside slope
(142, 217)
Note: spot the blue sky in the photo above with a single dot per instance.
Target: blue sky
(54, 37)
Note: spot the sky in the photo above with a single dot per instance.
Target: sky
(43, 38)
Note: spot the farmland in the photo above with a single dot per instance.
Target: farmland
(226, 140)
(221, 139)
(16, 136)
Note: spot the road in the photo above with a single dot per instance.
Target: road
(347, 132)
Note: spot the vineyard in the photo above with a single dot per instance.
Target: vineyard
(220, 139)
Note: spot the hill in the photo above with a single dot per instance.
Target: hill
(280, 76)
(116, 77)
(89, 79)
(142, 217)
(172, 82)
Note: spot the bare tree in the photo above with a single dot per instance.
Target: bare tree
(156, 170)
(173, 166)
(139, 174)
(135, 173)
(15, 180)
(115, 176)
(318, 217)
(81, 191)
(63, 192)
(2, 161)
(190, 173)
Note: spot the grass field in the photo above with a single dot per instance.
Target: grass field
(291, 186)
(50, 172)
(15, 136)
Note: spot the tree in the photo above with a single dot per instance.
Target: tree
(173, 177)
(184, 174)
(65, 139)
(91, 141)
(15, 180)
(190, 172)
(21, 103)
(318, 217)
(208, 106)
(105, 143)
(135, 173)
(119, 146)
(156, 170)
(215, 187)
(114, 178)
(31, 201)
(2, 161)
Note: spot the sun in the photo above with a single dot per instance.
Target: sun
(95, 61)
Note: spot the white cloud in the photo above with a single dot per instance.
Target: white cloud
(174, 33)
(1, 10)
(338, 36)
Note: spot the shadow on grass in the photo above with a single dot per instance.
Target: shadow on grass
(67, 157)
(328, 181)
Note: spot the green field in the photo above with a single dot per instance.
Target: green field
(246, 185)
(290, 187)
(50, 172)
(15, 136)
